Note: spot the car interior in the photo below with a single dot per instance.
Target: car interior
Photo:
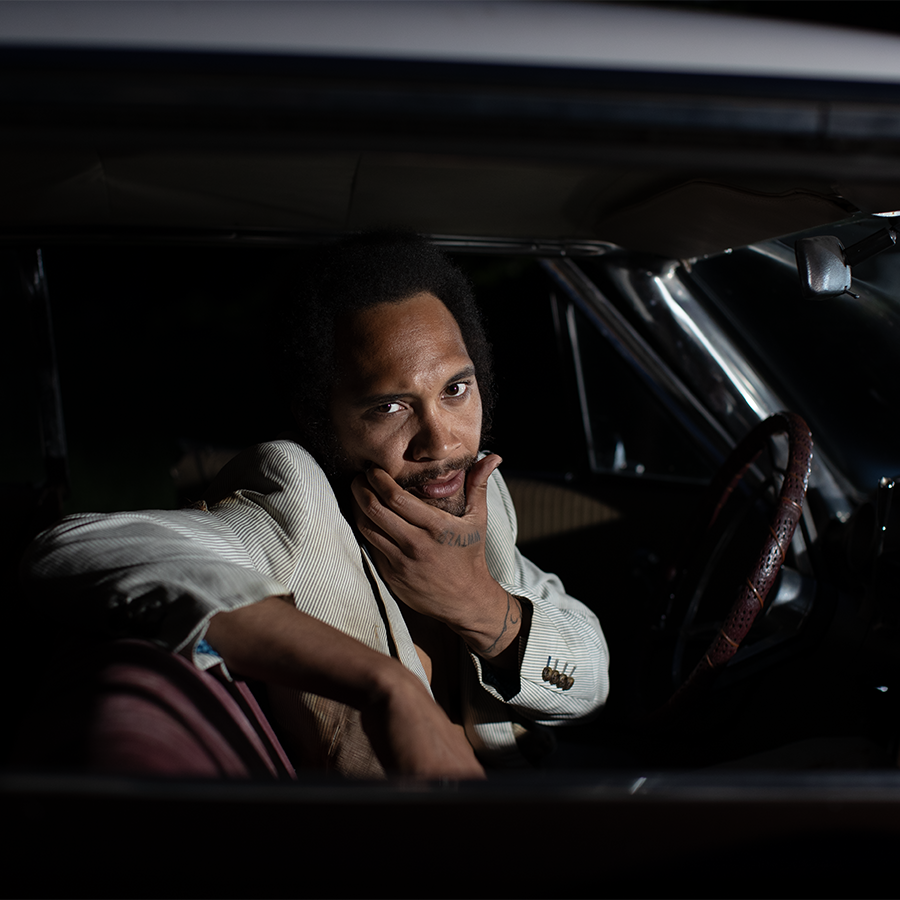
(607, 469)
(678, 222)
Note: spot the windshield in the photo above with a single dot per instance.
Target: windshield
(836, 361)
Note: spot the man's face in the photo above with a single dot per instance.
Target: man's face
(406, 399)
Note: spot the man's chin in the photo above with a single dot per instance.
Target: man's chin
(455, 505)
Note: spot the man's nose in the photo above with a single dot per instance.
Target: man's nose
(435, 437)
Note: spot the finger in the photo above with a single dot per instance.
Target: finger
(405, 505)
(371, 533)
(374, 499)
(364, 522)
(373, 516)
(370, 514)
(476, 483)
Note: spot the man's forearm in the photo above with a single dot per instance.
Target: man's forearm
(410, 733)
(274, 642)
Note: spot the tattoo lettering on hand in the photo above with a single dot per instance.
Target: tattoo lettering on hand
(455, 539)
(509, 618)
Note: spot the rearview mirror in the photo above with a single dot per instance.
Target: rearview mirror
(824, 264)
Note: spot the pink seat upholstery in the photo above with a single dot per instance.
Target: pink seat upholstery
(129, 707)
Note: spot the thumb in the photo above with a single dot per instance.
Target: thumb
(477, 479)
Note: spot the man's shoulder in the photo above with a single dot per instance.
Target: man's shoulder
(285, 451)
(277, 465)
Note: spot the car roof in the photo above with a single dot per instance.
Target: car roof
(639, 37)
(560, 126)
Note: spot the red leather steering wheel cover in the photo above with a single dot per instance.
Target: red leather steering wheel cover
(752, 594)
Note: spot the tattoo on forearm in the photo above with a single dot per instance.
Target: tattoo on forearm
(509, 618)
(455, 539)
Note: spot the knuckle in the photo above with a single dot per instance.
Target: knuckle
(397, 497)
(372, 507)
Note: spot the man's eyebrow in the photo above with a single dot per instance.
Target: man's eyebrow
(380, 399)
(467, 372)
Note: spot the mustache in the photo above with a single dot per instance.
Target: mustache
(434, 472)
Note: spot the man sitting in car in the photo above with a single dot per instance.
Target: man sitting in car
(366, 567)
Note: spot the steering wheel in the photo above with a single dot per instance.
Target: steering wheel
(751, 596)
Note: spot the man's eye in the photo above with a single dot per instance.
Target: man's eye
(458, 389)
(387, 408)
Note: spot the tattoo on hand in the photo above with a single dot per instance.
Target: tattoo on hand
(508, 619)
(455, 539)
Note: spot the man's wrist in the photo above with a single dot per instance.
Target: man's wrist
(495, 636)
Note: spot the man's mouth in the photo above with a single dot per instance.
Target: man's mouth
(438, 483)
(439, 488)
